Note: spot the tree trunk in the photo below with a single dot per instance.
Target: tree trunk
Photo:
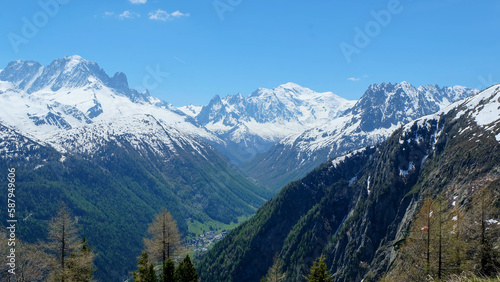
(440, 253)
(428, 261)
(63, 246)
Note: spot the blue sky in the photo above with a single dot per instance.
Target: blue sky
(187, 51)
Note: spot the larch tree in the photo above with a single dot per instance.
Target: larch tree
(415, 254)
(457, 240)
(427, 251)
(485, 232)
(275, 274)
(32, 263)
(80, 264)
(165, 240)
(447, 241)
(441, 236)
(63, 244)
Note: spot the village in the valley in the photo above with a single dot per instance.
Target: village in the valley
(203, 241)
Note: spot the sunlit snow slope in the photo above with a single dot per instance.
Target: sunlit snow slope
(53, 103)
(382, 109)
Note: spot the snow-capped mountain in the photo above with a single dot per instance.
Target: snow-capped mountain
(481, 110)
(114, 155)
(362, 206)
(252, 124)
(191, 110)
(74, 94)
(14, 146)
(382, 109)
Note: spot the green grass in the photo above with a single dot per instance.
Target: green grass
(196, 228)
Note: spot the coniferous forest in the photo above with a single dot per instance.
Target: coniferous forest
(249, 141)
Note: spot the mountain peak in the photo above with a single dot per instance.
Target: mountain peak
(388, 87)
(75, 59)
(20, 72)
(285, 91)
(387, 104)
(68, 72)
(290, 85)
(216, 99)
(407, 86)
(119, 81)
(405, 83)
(71, 62)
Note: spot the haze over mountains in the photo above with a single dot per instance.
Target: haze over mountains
(83, 137)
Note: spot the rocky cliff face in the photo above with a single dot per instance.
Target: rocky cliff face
(356, 208)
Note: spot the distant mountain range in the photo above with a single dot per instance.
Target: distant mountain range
(251, 125)
(380, 111)
(116, 155)
(357, 209)
(278, 135)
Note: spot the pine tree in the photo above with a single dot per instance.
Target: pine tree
(319, 272)
(164, 239)
(186, 272)
(150, 274)
(168, 271)
(142, 268)
(63, 236)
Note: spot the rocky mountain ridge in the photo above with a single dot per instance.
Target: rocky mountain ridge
(380, 111)
(357, 208)
(114, 155)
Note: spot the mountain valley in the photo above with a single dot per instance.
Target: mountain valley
(358, 209)
(347, 176)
